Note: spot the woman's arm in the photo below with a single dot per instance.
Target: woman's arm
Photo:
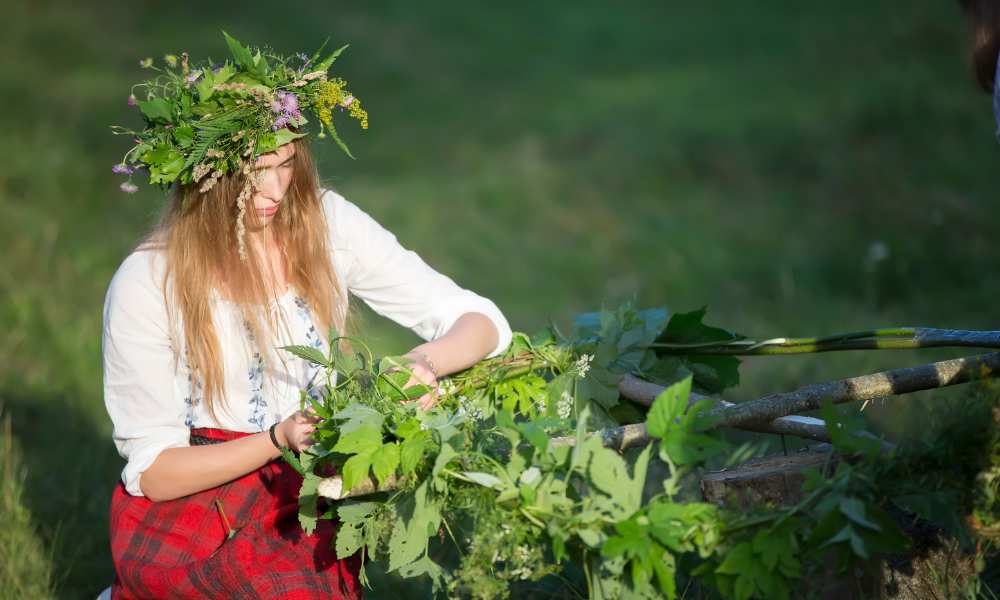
(178, 472)
(396, 283)
(460, 326)
(470, 339)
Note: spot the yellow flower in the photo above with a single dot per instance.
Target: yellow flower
(171, 59)
(332, 94)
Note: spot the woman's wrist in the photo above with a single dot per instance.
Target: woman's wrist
(277, 438)
(425, 359)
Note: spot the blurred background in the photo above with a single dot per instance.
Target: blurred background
(799, 168)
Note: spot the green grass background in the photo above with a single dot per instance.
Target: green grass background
(555, 157)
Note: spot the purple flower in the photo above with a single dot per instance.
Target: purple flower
(290, 102)
(193, 77)
(122, 169)
(286, 106)
(131, 99)
(279, 123)
(129, 188)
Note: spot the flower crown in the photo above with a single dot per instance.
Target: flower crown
(209, 119)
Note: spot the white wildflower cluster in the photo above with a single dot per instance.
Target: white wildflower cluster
(446, 387)
(522, 556)
(582, 365)
(540, 404)
(565, 406)
(505, 531)
(467, 408)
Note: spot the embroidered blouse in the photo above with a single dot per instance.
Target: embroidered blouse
(154, 401)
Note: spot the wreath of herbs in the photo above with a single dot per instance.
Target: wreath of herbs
(207, 119)
(506, 472)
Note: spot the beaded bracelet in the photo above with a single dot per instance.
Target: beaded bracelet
(427, 360)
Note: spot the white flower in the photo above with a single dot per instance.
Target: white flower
(522, 553)
(468, 409)
(565, 406)
(446, 387)
(582, 364)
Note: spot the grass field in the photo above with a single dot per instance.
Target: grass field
(800, 168)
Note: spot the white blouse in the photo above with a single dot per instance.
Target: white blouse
(149, 393)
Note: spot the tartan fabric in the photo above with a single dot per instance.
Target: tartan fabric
(178, 548)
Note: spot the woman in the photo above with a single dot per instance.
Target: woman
(201, 400)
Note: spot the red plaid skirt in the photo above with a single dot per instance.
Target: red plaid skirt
(179, 548)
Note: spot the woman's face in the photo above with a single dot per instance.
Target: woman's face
(274, 171)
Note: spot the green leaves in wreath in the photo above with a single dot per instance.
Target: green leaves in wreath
(394, 373)
(165, 163)
(368, 452)
(414, 441)
(418, 516)
(313, 355)
(524, 395)
(361, 444)
(254, 64)
(210, 78)
(617, 339)
(680, 428)
(155, 109)
(271, 141)
(712, 373)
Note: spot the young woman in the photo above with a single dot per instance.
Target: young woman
(201, 399)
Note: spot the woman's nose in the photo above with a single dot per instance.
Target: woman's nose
(270, 185)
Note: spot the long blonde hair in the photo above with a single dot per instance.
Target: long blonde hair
(198, 233)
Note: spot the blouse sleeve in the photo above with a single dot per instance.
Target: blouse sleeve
(139, 390)
(397, 283)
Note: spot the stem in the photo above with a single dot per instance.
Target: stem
(447, 528)
(533, 519)
(898, 338)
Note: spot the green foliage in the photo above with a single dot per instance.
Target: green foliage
(481, 469)
(680, 427)
(617, 340)
(712, 374)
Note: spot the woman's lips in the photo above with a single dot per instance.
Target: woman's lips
(267, 212)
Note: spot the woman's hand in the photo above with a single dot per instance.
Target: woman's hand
(422, 374)
(296, 431)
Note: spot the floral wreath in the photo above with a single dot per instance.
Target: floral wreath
(205, 120)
